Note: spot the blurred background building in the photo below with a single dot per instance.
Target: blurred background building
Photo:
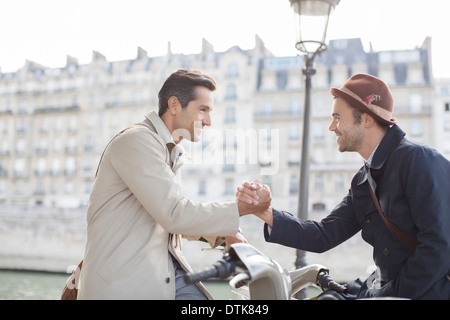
(55, 122)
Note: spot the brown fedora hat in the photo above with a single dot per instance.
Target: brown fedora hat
(370, 95)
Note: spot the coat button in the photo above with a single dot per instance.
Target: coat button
(167, 280)
(368, 220)
(386, 251)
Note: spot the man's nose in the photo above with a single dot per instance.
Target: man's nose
(332, 126)
(207, 120)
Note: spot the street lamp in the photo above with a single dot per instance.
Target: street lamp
(312, 18)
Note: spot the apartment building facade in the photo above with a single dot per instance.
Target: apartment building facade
(55, 122)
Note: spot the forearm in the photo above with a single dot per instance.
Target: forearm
(308, 235)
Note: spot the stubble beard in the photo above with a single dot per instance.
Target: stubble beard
(351, 140)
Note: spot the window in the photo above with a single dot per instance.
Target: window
(230, 93)
(43, 126)
(293, 158)
(58, 125)
(4, 148)
(70, 166)
(71, 146)
(447, 126)
(415, 103)
(55, 167)
(230, 115)
(89, 143)
(416, 128)
(73, 124)
(41, 167)
(5, 126)
(20, 146)
(281, 79)
(19, 168)
(19, 187)
(339, 183)
(87, 187)
(232, 70)
(87, 167)
(318, 183)
(266, 133)
(23, 107)
(293, 185)
(294, 107)
(40, 190)
(318, 131)
(57, 145)
(267, 108)
(20, 126)
(3, 170)
(319, 105)
(229, 187)
(68, 187)
(294, 130)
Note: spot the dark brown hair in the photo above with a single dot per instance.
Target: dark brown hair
(182, 84)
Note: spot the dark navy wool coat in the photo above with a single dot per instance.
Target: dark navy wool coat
(413, 187)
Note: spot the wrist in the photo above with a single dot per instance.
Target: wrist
(267, 216)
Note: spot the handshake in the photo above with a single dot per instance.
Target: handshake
(255, 198)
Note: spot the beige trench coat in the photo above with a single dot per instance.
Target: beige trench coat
(136, 211)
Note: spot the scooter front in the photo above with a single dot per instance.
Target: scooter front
(265, 277)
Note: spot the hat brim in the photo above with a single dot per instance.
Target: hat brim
(360, 105)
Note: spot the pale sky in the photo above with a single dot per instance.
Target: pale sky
(46, 31)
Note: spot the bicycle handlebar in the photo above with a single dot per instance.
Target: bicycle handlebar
(221, 269)
(326, 283)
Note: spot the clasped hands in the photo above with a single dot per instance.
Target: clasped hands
(252, 198)
(255, 198)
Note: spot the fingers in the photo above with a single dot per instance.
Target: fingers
(238, 238)
(254, 185)
(252, 192)
(243, 197)
(248, 192)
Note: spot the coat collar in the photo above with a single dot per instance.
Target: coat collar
(177, 158)
(160, 127)
(387, 145)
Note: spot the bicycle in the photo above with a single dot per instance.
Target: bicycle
(258, 277)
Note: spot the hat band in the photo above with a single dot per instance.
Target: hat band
(381, 112)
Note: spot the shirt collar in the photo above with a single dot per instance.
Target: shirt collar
(368, 162)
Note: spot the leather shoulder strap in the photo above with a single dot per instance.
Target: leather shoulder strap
(404, 238)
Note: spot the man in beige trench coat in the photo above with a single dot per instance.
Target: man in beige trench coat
(137, 209)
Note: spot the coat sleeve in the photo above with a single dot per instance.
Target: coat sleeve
(138, 157)
(426, 177)
(340, 225)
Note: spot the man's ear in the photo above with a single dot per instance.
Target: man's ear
(367, 120)
(173, 104)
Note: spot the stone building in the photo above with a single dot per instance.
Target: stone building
(55, 122)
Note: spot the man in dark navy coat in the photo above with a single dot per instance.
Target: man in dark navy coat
(412, 183)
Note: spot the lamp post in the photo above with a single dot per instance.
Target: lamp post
(312, 17)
